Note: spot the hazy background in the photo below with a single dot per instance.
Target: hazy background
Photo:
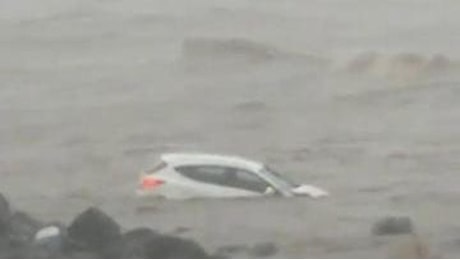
(358, 97)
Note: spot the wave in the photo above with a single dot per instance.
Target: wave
(404, 65)
(240, 51)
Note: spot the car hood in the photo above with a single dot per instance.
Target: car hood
(309, 190)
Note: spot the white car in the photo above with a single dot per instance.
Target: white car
(189, 175)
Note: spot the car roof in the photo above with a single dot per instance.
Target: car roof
(184, 159)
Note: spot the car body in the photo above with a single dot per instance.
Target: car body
(199, 175)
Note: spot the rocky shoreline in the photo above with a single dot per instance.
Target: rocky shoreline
(91, 234)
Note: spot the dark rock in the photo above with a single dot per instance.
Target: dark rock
(81, 254)
(94, 230)
(393, 226)
(37, 252)
(231, 250)
(146, 243)
(165, 246)
(136, 242)
(27, 251)
(140, 234)
(5, 214)
(20, 232)
(92, 234)
(218, 256)
(22, 228)
(263, 250)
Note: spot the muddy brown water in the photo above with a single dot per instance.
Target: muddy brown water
(358, 97)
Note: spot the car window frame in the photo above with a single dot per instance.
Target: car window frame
(225, 168)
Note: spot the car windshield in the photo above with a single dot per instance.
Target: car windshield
(281, 180)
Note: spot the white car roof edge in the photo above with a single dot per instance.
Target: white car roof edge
(195, 158)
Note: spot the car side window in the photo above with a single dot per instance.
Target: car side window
(250, 181)
(225, 176)
(207, 174)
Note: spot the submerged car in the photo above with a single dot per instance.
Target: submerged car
(189, 175)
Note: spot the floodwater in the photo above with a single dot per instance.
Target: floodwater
(358, 97)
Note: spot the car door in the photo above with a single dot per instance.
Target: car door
(219, 181)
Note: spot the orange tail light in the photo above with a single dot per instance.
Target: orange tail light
(150, 182)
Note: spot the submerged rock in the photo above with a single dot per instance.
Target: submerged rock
(166, 246)
(232, 250)
(260, 250)
(393, 226)
(26, 251)
(263, 250)
(81, 254)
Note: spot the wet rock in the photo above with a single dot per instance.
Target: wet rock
(146, 243)
(16, 243)
(136, 242)
(263, 250)
(94, 230)
(393, 226)
(5, 214)
(22, 228)
(26, 251)
(92, 234)
(166, 246)
(81, 254)
(232, 250)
